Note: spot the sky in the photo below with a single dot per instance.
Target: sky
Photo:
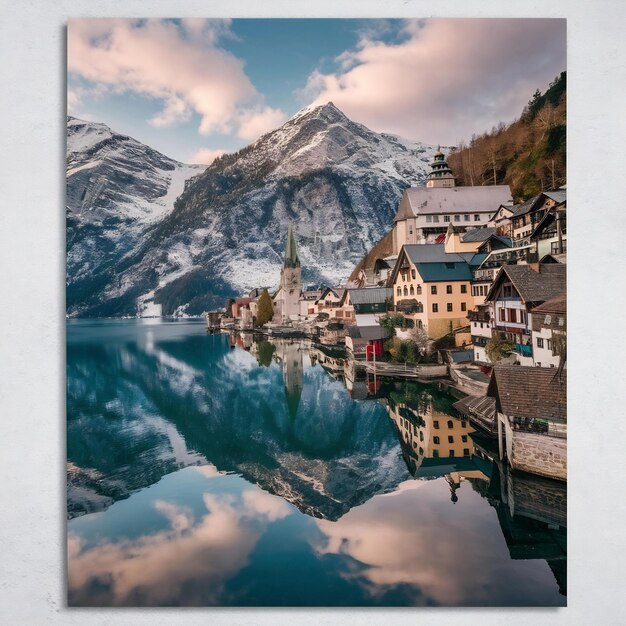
(194, 89)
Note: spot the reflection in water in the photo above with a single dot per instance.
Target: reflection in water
(298, 493)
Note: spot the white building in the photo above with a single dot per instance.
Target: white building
(424, 213)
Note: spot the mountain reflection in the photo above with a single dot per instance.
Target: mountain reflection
(298, 494)
(288, 426)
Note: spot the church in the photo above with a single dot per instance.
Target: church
(425, 213)
(287, 298)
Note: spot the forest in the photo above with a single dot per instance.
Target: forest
(528, 154)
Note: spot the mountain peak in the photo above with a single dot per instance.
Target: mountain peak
(327, 112)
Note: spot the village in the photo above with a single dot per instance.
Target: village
(473, 294)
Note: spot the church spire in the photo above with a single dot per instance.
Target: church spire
(291, 252)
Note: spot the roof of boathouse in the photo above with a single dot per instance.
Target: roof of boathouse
(535, 392)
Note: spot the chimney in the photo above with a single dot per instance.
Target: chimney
(535, 267)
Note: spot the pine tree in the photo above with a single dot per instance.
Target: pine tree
(265, 309)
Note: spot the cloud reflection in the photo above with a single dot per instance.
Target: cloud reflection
(185, 563)
(421, 541)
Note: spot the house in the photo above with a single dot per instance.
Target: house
(307, 302)
(516, 290)
(531, 408)
(330, 300)
(363, 342)
(433, 288)
(369, 304)
(527, 215)
(480, 329)
(549, 332)
(550, 234)
(424, 213)
(501, 220)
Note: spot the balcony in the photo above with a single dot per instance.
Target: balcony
(524, 349)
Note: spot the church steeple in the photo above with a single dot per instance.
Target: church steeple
(291, 251)
(441, 175)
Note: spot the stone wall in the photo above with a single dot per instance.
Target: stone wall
(538, 454)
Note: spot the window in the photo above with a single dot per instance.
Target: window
(448, 288)
(410, 230)
(412, 290)
(463, 306)
(539, 342)
(457, 218)
(419, 323)
(481, 324)
(451, 453)
(463, 288)
(513, 316)
(429, 218)
(433, 290)
(476, 217)
(435, 218)
(450, 424)
(464, 438)
(435, 454)
(435, 308)
(466, 217)
(446, 218)
(450, 439)
(421, 436)
(413, 274)
(449, 307)
(435, 424)
(421, 451)
(549, 344)
(502, 315)
(399, 290)
(436, 440)
(418, 291)
(406, 291)
(466, 452)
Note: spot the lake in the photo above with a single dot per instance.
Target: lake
(236, 471)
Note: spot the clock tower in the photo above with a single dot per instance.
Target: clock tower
(290, 283)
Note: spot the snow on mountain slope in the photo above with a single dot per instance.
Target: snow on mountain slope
(336, 180)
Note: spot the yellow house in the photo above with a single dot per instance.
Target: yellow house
(434, 288)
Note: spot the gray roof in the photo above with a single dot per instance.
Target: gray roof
(478, 234)
(369, 333)
(532, 286)
(370, 295)
(449, 200)
(558, 196)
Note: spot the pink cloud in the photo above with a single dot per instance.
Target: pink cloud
(179, 65)
(448, 79)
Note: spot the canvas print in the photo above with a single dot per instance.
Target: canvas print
(316, 312)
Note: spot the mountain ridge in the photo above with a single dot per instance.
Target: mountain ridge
(338, 181)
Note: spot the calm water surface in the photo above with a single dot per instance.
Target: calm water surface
(205, 473)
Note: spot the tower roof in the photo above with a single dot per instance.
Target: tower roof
(291, 251)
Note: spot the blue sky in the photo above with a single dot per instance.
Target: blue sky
(196, 88)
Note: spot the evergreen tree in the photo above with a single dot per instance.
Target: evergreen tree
(265, 309)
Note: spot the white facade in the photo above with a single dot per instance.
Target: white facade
(543, 345)
(480, 329)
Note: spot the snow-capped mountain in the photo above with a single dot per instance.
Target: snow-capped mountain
(129, 251)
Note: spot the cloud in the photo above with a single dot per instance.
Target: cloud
(447, 79)
(177, 64)
(205, 156)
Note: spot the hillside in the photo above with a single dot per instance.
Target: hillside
(529, 154)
